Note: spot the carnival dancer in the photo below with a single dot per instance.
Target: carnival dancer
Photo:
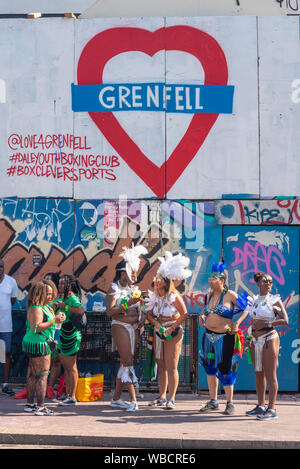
(221, 337)
(70, 334)
(49, 392)
(37, 343)
(55, 368)
(267, 312)
(123, 306)
(166, 311)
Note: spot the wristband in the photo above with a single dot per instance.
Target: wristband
(53, 320)
(67, 308)
(162, 329)
(153, 324)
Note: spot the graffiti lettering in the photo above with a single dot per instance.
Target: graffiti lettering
(195, 300)
(264, 212)
(58, 164)
(293, 7)
(54, 141)
(293, 208)
(258, 257)
(64, 173)
(95, 274)
(264, 216)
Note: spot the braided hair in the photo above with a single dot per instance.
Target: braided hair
(73, 285)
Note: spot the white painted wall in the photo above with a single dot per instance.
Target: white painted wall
(10, 7)
(279, 51)
(37, 62)
(222, 161)
(134, 8)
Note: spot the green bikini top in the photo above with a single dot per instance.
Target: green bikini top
(48, 316)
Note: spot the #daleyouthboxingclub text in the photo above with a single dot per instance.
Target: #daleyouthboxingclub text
(53, 156)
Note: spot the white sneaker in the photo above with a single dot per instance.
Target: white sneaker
(133, 406)
(119, 403)
(30, 407)
(68, 401)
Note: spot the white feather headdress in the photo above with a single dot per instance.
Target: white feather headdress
(132, 259)
(174, 267)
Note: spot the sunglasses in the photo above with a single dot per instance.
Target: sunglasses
(266, 280)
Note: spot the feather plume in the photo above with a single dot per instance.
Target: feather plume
(132, 257)
(174, 267)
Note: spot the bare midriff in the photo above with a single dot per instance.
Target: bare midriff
(215, 322)
(130, 317)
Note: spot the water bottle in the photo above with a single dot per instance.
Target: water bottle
(58, 325)
(249, 358)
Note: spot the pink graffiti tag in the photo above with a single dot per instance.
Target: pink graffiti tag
(252, 257)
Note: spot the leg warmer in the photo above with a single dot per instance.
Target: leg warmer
(127, 374)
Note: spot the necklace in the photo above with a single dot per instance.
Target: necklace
(161, 305)
(215, 303)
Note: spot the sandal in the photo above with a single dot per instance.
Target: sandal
(170, 405)
(43, 411)
(158, 402)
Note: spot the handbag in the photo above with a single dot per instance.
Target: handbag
(51, 343)
(79, 320)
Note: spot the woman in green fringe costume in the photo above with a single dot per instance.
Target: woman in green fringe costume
(40, 327)
(70, 336)
(55, 367)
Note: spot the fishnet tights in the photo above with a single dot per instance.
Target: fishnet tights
(37, 379)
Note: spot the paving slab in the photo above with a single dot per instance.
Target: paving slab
(96, 424)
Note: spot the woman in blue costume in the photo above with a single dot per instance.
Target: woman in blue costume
(221, 304)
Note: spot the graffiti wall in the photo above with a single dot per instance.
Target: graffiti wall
(86, 237)
(274, 250)
(258, 212)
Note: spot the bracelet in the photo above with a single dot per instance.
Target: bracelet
(123, 303)
(53, 320)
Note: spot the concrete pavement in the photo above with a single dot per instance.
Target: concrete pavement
(96, 424)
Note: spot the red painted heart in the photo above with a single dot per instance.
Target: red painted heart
(107, 44)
